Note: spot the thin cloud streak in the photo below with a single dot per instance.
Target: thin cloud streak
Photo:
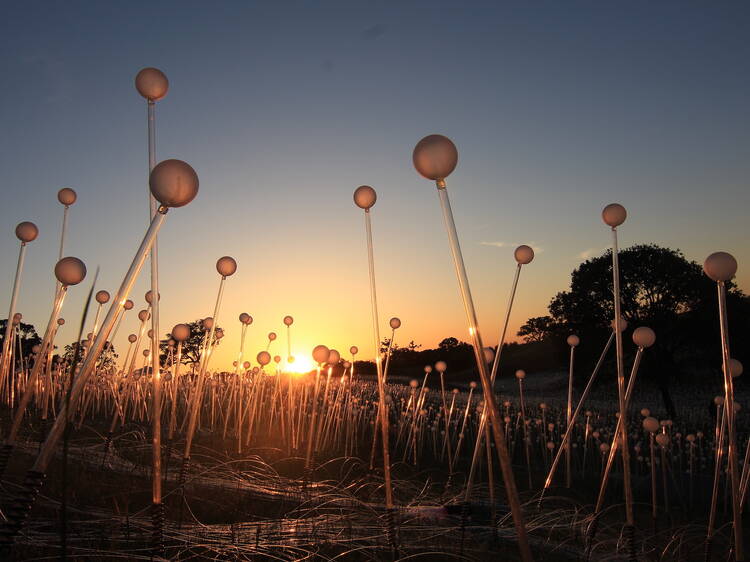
(500, 244)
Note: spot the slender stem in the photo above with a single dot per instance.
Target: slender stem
(87, 367)
(382, 405)
(568, 416)
(31, 381)
(489, 399)
(569, 429)
(501, 341)
(731, 429)
(621, 384)
(11, 313)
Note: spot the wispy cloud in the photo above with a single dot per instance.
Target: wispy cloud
(590, 253)
(501, 244)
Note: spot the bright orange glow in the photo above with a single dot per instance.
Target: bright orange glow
(302, 364)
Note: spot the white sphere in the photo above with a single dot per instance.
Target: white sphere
(645, 412)
(173, 183)
(365, 197)
(520, 374)
(70, 271)
(573, 340)
(524, 254)
(651, 424)
(623, 324)
(181, 332)
(441, 366)
(489, 354)
(644, 336)
(333, 357)
(151, 83)
(207, 323)
(264, 358)
(320, 353)
(226, 266)
(428, 369)
(277, 359)
(435, 157)
(395, 323)
(614, 215)
(26, 231)
(67, 196)
(720, 266)
(735, 367)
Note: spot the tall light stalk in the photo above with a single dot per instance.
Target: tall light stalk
(26, 232)
(721, 267)
(435, 157)
(174, 184)
(614, 215)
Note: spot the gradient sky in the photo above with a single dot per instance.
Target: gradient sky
(284, 108)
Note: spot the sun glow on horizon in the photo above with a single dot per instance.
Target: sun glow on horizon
(301, 365)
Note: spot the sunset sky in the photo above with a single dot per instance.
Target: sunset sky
(284, 108)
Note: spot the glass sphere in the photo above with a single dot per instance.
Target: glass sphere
(524, 254)
(173, 183)
(441, 366)
(70, 271)
(334, 357)
(102, 297)
(288, 320)
(320, 353)
(67, 196)
(573, 340)
(614, 215)
(226, 266)
(435, 157)
(264, 358)
(395, 323)
(720, 266)
(365, 197)
(181, 332)
(151, 83)
(644, 336)
(26, 231)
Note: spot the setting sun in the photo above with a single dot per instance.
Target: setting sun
(301, 364)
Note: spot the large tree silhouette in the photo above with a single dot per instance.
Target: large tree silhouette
(661, 289)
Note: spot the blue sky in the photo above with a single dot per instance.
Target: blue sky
(283, 108)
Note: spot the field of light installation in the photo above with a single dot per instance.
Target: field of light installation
(141, 457)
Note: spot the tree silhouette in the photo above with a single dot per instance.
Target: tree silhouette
(661, 289)
(27, 334)
(191, 347)
(107, 358)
